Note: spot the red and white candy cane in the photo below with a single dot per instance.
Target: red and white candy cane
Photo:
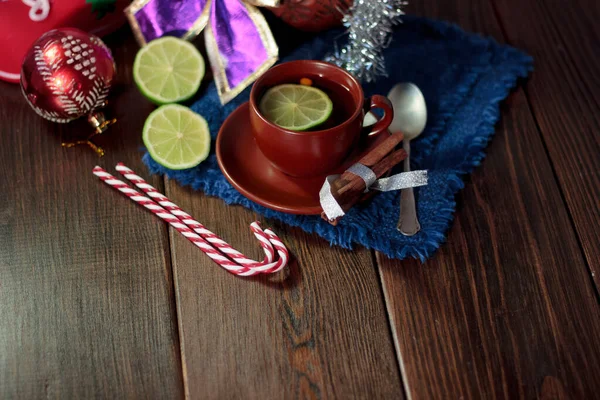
(267, 238)
(174, 221)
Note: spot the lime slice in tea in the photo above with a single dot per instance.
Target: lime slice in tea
(168, 70)
(296, 107)
(176, 137)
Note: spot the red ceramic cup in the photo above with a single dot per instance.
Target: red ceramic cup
(317, 152)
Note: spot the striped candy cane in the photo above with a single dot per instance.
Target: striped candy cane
(267, 238)
(176, 222)
(196, 239)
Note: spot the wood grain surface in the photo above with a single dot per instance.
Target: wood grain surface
(317, 331)
(98, 299)
(85, 279)
(506, 308)
(564, 93)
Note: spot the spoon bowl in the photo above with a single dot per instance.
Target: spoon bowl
(410, 110)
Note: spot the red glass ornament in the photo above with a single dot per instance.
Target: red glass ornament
(66, 74)
(312, 15)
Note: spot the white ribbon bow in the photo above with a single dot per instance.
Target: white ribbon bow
(332, 208)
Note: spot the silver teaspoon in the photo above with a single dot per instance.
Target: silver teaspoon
(410, 117)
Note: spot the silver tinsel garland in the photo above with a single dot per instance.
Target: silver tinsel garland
(369, 24)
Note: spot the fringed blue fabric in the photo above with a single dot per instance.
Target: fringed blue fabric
(463, 76)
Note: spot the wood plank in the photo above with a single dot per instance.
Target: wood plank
(318, 331)
(86, 293)
(505, 309)
(564, 92)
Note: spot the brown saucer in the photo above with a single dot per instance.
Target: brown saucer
(249, 171)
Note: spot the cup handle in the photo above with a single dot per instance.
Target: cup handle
(378, 101)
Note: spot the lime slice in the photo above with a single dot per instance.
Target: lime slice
(296, 107)
(176, 137)
(168, 70)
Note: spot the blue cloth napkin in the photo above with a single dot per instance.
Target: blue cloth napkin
(463, 77)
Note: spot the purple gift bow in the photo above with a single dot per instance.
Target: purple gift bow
(239, 43)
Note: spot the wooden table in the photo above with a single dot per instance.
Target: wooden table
(100, 300)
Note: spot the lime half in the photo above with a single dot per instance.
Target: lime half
(168, 70)
(176, 137)
(296, 107)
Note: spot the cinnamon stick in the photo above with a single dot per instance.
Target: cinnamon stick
(356, 182)
(375, 155)
(369, 160)
(350, 191)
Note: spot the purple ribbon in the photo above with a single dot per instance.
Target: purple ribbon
(159, 18)
(239, 43)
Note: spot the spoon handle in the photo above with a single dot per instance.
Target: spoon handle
(408, 224)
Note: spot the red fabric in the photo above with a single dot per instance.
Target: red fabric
(18, 31)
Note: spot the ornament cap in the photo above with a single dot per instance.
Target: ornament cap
(99, 122)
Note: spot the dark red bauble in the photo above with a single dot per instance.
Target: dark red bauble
(66, 74)
(312, 15)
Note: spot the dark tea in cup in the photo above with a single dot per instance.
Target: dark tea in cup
(311, 104)
(323, 147)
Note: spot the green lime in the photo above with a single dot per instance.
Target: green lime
(168, 70)
(176, 137)
(296, 107)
